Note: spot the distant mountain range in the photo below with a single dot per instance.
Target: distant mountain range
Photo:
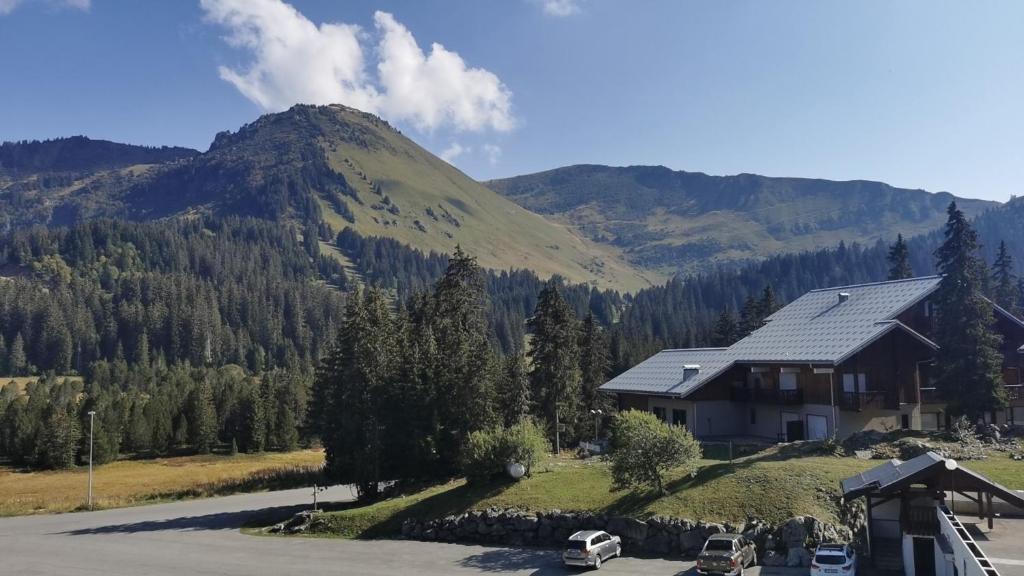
(324, 168)
(673, 221)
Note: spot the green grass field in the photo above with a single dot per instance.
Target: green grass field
(769, 485)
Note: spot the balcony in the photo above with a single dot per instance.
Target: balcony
(1014, 392)
(768, 395)
(858, 401)
(931, 396)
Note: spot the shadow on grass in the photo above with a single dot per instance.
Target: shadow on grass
(457, 500)
(634, 503)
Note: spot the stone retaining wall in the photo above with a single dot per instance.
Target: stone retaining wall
(785, 544)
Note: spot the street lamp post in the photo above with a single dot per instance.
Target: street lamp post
(92, 417)
(597, 423)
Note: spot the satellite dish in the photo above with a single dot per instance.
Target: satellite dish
(950, 464)
(515, 470)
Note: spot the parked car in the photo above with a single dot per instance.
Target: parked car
(727, 554)
(837, 559)
(590, 548)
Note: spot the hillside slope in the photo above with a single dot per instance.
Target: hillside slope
(674, 221)
(315, 164)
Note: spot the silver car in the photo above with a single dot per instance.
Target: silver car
(590, 548)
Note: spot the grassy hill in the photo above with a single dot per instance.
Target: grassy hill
(305, 166)
(673, 221)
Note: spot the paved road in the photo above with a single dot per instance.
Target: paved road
(202, 537)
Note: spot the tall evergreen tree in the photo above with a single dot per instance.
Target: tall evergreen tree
(594, 364)
(726, 331)
(17, 360)
(554, 365)
(201, 417)
(1005, 291)
(768, 304)
(751, 317)
(513, 396)
(899, 260)
(464, 376)
(968, 364)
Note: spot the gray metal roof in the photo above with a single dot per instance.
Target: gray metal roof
(928, 468)
(892, 472)
(666, 372)
(816, 328)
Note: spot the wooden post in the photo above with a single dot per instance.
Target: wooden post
(867, 527)
(991, 513)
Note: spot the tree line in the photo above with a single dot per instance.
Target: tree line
(151, 410)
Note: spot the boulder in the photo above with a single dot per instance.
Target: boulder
(793, 533)
(691, 541)
(772, 558)
(798, 557)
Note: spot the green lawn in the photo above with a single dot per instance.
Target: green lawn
(770, 485)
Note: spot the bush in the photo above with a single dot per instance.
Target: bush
(644, 449)
(487, 452)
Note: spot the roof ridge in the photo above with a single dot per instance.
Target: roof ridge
(705, 349)
(916, 278)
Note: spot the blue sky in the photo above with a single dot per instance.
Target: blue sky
(922, 94)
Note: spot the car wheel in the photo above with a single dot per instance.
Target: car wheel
(597, 562)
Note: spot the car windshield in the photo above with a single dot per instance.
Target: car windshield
(719, 545)
(830, 559)
(576, 545)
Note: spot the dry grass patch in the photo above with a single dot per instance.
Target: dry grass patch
(130, 482)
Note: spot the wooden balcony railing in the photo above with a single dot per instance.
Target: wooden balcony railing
(931, 396)
(861, 400)
(768, 395)
(1015, 392)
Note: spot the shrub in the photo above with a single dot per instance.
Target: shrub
(644, 449)
(486, 453)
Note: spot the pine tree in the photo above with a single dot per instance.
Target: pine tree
(751, 317)
(968, 364)
(462, 377)
(18, 361)
(514, 389)
(899, 260)
(726, 331)
(594, 364)
(1004, 281)
(554, 358)
(202, 417)
(768, 304)
(60, 439)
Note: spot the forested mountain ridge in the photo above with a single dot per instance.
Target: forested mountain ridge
(314, 166)
(675, 221)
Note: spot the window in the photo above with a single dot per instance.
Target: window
(659, 411)
(905, 421)
(787, 381)
(679, 417)
(855, 382)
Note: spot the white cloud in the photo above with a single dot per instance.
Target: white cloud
(453, 151)
(8, 6)
(560, 8)
(294, 60)
(493, 152)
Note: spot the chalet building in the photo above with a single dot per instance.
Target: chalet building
(834, 361)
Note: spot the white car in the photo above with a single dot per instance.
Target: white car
(834, 560)
(590, 548)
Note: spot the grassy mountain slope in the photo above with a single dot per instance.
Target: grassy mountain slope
(407, 193)
(314, 164)
(673, 221)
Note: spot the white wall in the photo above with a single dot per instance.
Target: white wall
(966, 563)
